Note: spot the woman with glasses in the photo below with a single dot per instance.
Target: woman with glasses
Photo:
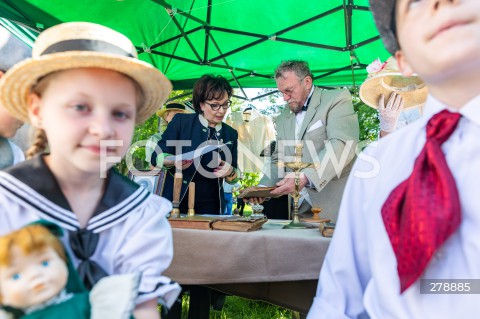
(189, 132)
(186, 133)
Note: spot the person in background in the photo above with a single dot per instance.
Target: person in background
(228, 190)
(316, 118)
(78, 99)
(12, 50)
(398, 99)
(165, 115)
(211, 100)
(406, 242)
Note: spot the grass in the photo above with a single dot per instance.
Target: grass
(241, 308)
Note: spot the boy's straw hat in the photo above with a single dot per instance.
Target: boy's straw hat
(172, 106)
(82, 45)
(384, 13)
(385, 78)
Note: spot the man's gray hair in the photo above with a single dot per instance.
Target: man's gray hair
(299, 67)
(12, 49)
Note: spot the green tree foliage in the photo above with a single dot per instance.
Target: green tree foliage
(142, 133)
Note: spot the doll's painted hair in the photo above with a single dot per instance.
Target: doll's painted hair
(29, 239)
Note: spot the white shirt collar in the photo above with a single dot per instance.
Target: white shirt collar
(471, 110)
(204, 122)
(309, 95)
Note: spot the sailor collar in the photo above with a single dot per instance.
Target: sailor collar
(34, 185)
(204, 122)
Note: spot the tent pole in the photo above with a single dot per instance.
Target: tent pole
(207, 32)
(178, 42)
(185, 36)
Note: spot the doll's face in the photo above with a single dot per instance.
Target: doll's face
(32, 279)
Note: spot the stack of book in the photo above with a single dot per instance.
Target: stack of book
(209, 222)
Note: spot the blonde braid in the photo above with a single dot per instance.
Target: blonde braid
(39, 144)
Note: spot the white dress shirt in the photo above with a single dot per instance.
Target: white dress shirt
(359, 274)
(299, 117)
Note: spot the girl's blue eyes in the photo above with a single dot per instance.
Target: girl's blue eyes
(45, 263)
(16, 276)
(116, 114)
(121, 115)
(79, 107)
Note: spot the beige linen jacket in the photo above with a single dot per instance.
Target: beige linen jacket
(330, 134)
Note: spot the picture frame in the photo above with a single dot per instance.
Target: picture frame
(153, 181)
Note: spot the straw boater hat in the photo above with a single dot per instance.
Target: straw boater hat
(384, 14)
(82, 45)
(385, 78)
(172, 106)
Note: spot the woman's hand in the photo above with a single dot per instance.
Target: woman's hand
(389, 113)
(178, 164)
(183, 164)
(224, 169)
(147, 310)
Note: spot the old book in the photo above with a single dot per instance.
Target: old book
(255, 191)
(195, 222)
(314, 220)
(327, 229)
(244, 224)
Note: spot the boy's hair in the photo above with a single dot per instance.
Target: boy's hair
(29, 239)
(384, 14)
(12, 50)
(299, 67)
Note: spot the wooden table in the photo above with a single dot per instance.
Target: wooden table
(279, 266)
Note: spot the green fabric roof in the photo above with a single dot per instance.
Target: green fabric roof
(243, 40)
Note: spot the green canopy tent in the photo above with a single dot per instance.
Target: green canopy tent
(243, 40)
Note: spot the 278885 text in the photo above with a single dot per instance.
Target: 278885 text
(450, 286)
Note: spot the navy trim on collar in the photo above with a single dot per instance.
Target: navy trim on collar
(33, 184)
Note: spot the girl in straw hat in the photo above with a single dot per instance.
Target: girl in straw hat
(84, 90)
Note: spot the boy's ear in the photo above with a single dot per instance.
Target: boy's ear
(403, 64)
(34, 102)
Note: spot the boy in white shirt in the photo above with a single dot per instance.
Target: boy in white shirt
(406, 243)
(12, 50)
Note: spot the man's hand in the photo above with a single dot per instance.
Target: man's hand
(389, 113)
(287, 184)
(252, 200)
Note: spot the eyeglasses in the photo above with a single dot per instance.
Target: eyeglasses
(217, 107)
(290, 90)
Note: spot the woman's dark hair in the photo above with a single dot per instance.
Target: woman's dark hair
(210, 87)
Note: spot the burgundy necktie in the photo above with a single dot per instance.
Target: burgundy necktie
(424, 210)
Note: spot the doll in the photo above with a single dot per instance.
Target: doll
(37, 280)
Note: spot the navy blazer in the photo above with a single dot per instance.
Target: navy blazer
(188, 127)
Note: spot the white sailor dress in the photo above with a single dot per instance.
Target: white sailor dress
(128, 232)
